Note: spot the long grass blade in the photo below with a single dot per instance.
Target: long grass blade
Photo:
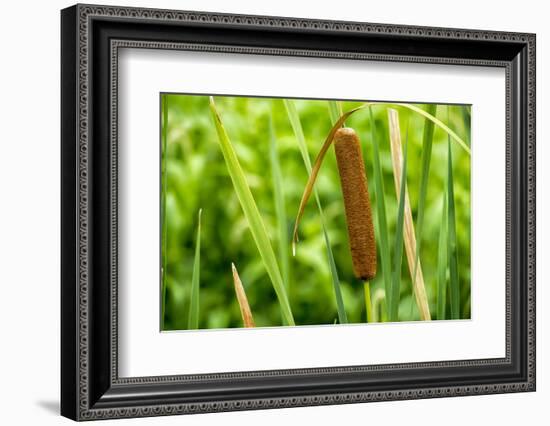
(296, 125)
(442, 261)
(280, 210)
(438, 123)
(193, 321)
(400, 169)
(453, 255)
(246, 313)
(427, 140)
(313, 171)
(163, 206)
(384, 246)
(417, 277)
(252, 214)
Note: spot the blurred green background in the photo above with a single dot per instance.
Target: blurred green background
(194, 176)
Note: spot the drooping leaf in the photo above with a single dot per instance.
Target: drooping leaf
(330, 137)
(439, 123)
(313, 171)
(296, 125)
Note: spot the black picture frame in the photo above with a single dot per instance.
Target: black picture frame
(90, 386)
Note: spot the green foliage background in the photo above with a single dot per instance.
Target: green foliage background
(194, 176)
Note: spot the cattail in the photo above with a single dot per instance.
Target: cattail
(356, 203)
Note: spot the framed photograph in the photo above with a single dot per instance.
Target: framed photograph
(263, 212)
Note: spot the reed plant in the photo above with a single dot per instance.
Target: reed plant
(375, 198)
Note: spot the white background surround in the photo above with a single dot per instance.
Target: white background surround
(140, 343)
(30, 226)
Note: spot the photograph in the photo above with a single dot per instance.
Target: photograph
(307, 212)
(264, 208)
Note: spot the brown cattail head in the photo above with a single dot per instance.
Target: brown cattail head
(356, 203)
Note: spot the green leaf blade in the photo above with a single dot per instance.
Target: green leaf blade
(193, 320)
(252, 214)
(164, 105)
(280, 210)
(427, 140)
(299, 134)
(452, 247)
(384, 246)
(398, 247)
(438, 123)
(442, 261)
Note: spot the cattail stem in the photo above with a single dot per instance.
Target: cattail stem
(368, 303)
(356, 203)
